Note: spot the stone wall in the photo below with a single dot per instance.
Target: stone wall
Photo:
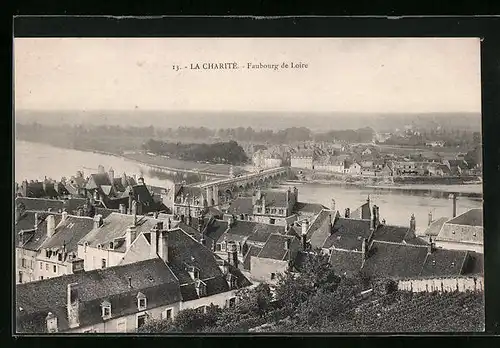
(442, 284)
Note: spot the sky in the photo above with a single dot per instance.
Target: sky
(343, 75)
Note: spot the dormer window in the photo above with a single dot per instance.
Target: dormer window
(223, 246)
(141, 301)
(99, 246)
(201, 288)
(51, 323)
(111, 245)
(106, 310)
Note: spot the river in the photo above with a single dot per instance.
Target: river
(35, 161)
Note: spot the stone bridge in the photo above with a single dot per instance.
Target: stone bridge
(217, 189)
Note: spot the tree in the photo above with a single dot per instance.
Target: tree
(255, 301)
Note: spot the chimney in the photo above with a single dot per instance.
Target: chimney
(124, 180)
(163, 246)
(305, 226)
(64, 215)
(287, 244)
(98, 221)
(140, 181)
(431, 246)
(430, 219)
(72, 305)
(188, 222)
(130, 201)
(153, 250)
(130, 236)
(100, 169)
(122, 209)
(413, 226)
(232, 254)
(169, 224)
(454, 197)
(377, 219)
(51, 226)
(230, 220)
(134, 212)
(200, 223)
(332, 207)
(111, 174)
(364, 249)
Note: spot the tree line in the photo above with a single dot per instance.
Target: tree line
(222, 152)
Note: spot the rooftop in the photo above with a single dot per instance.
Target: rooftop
(275, 247)
(68, 233)
(241, 205)
(348, 234)
(472, 217)
(308, 208)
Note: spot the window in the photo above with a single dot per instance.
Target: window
(23, 262)
(41, 265)
(47, 254)
(106, 310)
(103, 263)
(46, 266)
(20, 280)
(267, 210)
(232, 302)
(85, 247)
(167, 314)
(121, 326)
(223, 246)
(218, 247)
(141, 320)
(41, 277)
(281, 211)
(259, 210)
(273, 211)
(272, 221)
(60, 256)
(273, 276)
(55, 268)
(111, 245)
(141, 303)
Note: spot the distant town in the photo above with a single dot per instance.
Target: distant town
(229, 245)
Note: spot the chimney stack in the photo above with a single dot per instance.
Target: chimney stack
(51, 226)
(98, 221)
(130, 236)
(364, 249)
(122, 209)
(431, 246)
(124, 180)
(100, 169)
(430, 219)
(305, 227)
(347, 213)
(111, 174)
(332, 205)
(163, 246)
(454, 197)
(232, 254)
(134, 212)
(287, 244)
(154, 233)
(72, 305)
(230, 220)
(64, 215)
(413, 225)
(140, 181)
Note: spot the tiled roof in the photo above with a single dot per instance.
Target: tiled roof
(184, 251)
(241, 205)
(388, 233)
(192, 191)
(33, 239)
(275, 247)
(434, 228)
(442, 262)
(472, 217)
(115, 226)
(317, 232)
(216, 229)
(363, 212)
(40, 204)
(99, 179)
(311, 208)
(105, 212)
(394, 260)
(275, 198)
(348, 234)
(252, 251)
(68, 233)
(151, 277)
(346, 262)
(467, 231)
(255, 231)
(475, 264)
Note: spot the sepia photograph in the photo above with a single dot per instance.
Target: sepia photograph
(248, 185)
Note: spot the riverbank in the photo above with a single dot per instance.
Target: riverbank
(465, 190)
